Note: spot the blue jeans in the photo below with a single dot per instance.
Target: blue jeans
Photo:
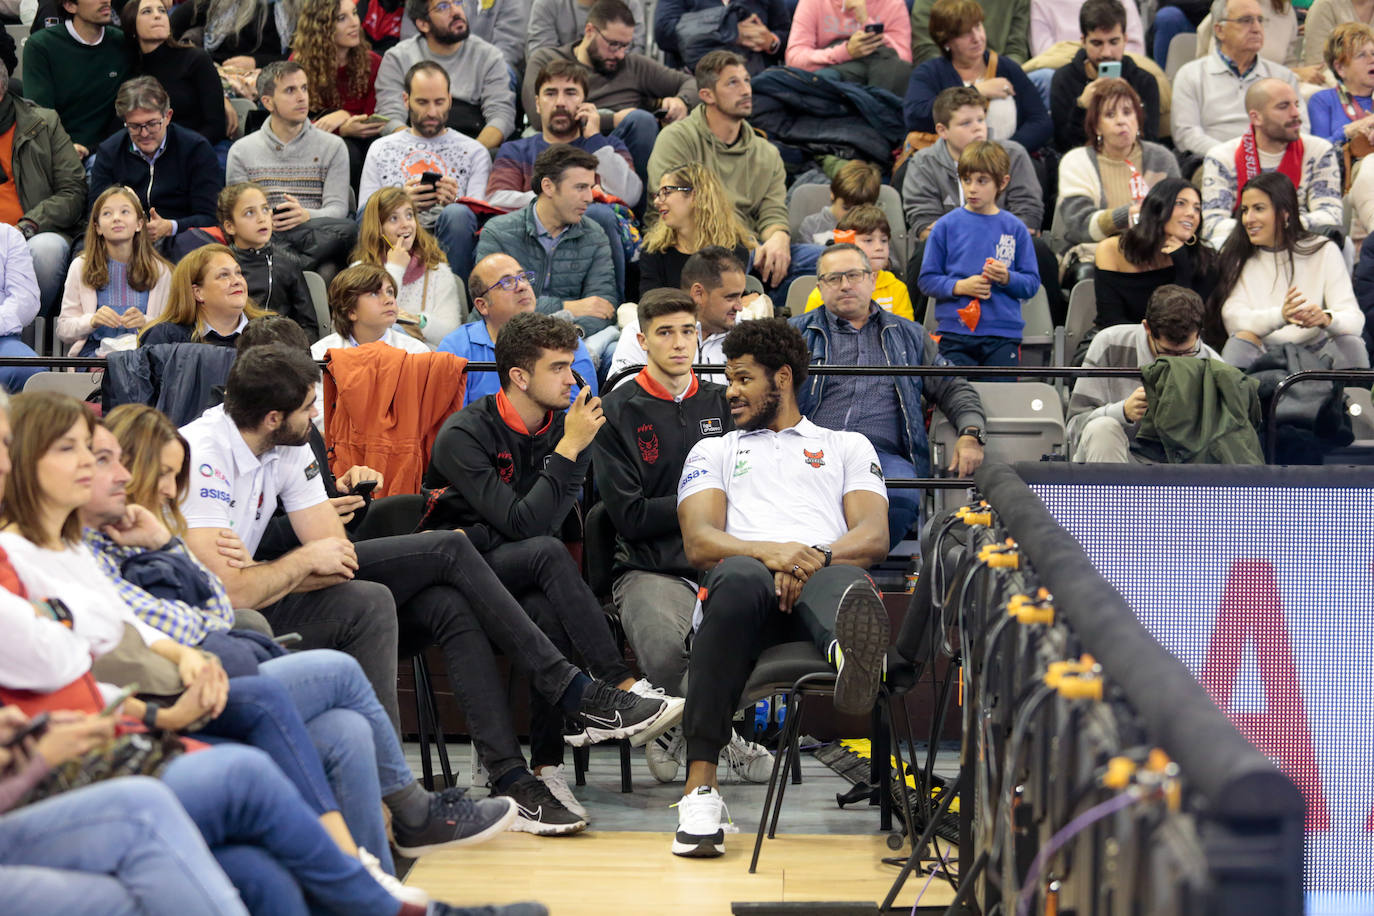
(604, 217)
(456, 233)
(980, 350)
(265, 838)
(362, 757)
(638, 131)
(50, 252)
(903, 505)
(1169, 21)
(1042, 79)
(120, 847)
(13, 377)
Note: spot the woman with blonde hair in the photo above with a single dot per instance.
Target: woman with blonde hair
(208, 301)
(694, 212)
(341, 68)
(393, 239)
(118, 282)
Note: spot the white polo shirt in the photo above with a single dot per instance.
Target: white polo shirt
(230, 487)
(628, 352)
(784, 486)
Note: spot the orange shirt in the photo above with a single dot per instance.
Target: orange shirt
(10, 208)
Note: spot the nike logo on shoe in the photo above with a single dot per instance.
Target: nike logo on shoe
(612, 722)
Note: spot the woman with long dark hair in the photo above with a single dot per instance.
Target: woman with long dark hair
(185, 71)
(1282, 284)
(1162, 247)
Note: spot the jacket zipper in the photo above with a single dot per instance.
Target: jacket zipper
(267, 300)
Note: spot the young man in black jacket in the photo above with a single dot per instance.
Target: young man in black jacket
(506, 469)
(652, 422)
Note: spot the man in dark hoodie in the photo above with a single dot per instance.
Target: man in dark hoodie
(1103, 27)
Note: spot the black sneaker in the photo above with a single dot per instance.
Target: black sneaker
(538, 812)
(454, 820)
(860, 652)
(511, 909)
(607, 713)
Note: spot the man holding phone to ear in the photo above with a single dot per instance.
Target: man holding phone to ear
(1103, 56)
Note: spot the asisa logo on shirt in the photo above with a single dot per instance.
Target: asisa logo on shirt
(815, 459)
(648, 443)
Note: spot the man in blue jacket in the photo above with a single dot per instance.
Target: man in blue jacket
(173, 170)
(569, 254)
(853, 330)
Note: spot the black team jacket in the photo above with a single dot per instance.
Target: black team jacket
(639, 457)
(496, 480)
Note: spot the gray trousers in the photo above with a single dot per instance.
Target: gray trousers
(656, 611)
(1103, 440)
(1347, 351)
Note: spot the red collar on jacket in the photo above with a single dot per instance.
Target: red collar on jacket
(647, 382)
(511, 417)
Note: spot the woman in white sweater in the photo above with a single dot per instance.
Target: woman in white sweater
(1281, 284)
(392, 238)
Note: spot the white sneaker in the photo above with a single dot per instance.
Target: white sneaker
(556, 782)
(672, 711)
(665, 754)
(749, 761)
(395, 888)
(477, 774)
(700, 833)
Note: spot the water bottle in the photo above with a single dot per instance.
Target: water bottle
(761, 710)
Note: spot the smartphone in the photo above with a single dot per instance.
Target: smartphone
(363, 488)
(119, 699)
(375, 118)
(279, 209)
(874, 28)
(287, 639)
(660, 113)
(35, 727)
(577, 377)
(1109, 69)
(430, 178)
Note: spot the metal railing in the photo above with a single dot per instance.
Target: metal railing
(1271, 447)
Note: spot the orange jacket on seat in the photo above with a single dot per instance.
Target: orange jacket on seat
(383, 407)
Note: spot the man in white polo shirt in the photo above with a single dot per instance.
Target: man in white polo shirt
(245, 455)
(714, 278)
(780, 569)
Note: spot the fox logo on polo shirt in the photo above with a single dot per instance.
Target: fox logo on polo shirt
(505, 467)
(815, 459)
(648, 443)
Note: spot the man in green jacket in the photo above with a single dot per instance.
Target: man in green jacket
(75, 69)
(1007, 23)
(44, 192)
(570, 255)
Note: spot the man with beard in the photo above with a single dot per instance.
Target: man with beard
(1275, 140)
(75, 69)
(483, 104)
(890, 411)
(506, 470)
(628, 86)
(780, 570)
(431, 146)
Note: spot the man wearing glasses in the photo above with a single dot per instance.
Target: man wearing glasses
(560, 22)
(1105, 413)
(853, 330)
(500, 289)
(1209, 93)
(479, 80)
(174, 171)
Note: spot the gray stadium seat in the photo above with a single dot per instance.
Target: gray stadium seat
(79, 385)
(1081, 315)
(798, 293)
(1038, 335)
(242, 107)
(806, 199)
(319, 297)
(1182, 48)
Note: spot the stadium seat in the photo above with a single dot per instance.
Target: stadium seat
(798, 293)
(79, 385)
(806, 199)
(242, 107)
(20, 34)
(1182, 48)
(1038, 334)
(319, 297)
(1080, 318)
(900, 243)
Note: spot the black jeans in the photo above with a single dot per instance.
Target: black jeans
(547, 583)
(356, 617)
(446, 593)
(740, 618)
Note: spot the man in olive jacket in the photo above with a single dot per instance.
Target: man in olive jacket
(47, 198)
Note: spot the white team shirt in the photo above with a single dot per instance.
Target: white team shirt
(784, 486)
(230, 487)
(628, 352)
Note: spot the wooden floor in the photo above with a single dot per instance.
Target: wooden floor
(622, 872)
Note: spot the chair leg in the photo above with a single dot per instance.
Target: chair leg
(890, 707)
(581, 760)
(435, 727)
(768, 802)
(626, 783)
(422, 722)
(791, 739)
(880, 766)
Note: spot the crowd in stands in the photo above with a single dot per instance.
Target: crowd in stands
(216, 196)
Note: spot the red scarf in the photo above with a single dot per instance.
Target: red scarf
(1248, 164)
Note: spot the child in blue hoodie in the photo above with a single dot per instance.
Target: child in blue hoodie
(979, 264)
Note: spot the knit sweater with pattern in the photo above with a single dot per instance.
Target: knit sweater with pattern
(312, 167)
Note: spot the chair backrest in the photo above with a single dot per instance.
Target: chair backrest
(1035, 311)
(319, 297)
(799, 292)
(1025, 421)
(242, 108)
(1182, 48)
(1360, 406)
(1082, 313)
(599, 550)
(79, 385)
(891, 202)
(806, 199)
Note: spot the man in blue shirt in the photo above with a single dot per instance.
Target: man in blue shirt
(500, 289)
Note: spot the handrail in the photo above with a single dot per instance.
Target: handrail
(969, 372)
(1305, 375)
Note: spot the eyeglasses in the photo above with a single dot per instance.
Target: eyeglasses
(444, 6)
(147, 127)
(1161, 350)
(841, 276)
(511, 282)
(613, 45)
(1248, 22)
(670, 188)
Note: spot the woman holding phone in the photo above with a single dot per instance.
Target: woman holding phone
(393, 239)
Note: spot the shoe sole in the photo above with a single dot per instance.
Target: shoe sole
(861, 627)
(539, 828)
(495, 829)
(699, 847)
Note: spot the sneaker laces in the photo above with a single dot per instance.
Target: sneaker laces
(643, 688)
(604, 696)
(453, 801)
(728, 826)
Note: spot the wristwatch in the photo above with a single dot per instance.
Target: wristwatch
(976, 432)
(150, 713)
(825, 549)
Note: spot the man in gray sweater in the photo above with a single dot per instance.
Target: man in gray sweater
(626, 86)
(479, 79)
(304, 171)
